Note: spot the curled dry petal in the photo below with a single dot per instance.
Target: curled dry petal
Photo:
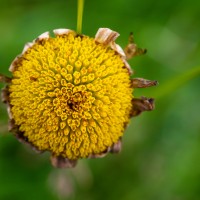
(106, 36)
(43, 36)
(100, 155)
(118, 49)
(4, 79)
(142, 83)
(61, 162)
(27, 46)
(20, 137)
(12, 127)
(63, 31)
(5, 95)
(141, 105)
(9, 111)
(116, 148)
(131, 50)
(5, 99)
(12, 67)
(130, 71)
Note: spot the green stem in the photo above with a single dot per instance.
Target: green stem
(176, 82)
(80, 16)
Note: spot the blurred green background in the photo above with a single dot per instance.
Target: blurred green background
(160, 159)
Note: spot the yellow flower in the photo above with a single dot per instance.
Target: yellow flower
(72, 95)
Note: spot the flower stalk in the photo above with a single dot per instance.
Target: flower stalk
(80, 16)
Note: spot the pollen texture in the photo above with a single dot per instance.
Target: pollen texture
(71, 96)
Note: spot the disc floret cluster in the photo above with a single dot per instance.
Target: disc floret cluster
(72, 95)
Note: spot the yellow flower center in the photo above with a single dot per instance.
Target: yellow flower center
(71, 96)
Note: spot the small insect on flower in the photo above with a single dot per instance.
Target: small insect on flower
(72, 95)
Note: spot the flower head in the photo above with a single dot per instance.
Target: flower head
(72, 95)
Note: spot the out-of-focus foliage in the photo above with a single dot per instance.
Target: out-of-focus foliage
(161, 149)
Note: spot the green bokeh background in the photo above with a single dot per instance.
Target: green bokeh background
(160, 159)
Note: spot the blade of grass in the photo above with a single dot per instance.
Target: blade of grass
(176, 82)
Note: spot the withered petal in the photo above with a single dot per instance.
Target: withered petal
(100, 155)
(61, 162)
(63, 31)
(13, 65)
(27, 46)
(141, 105)
(5, 95)
(6, 99)
(20, 136)
(143, 83)
(106, 36)
(43, 36)
(130, 71)
(131, 50)
(118, 49)
(117, 147)
(4, 79)
(12, 127)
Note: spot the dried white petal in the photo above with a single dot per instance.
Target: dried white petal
(127, 66)
(27, 46)
(106, 36)
(118, 49)
(13, 64)
(43, 36)
(9, 111)
(62, 31)
(100, 155)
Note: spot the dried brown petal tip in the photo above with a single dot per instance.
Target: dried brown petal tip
(5, 95)
(106, 36)
(117, 147)
(24, 140)
(61, 162)
(4, 79)
(12, 126)
(142, 83)
(141, 105)
(131, 50)
(100, 155)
